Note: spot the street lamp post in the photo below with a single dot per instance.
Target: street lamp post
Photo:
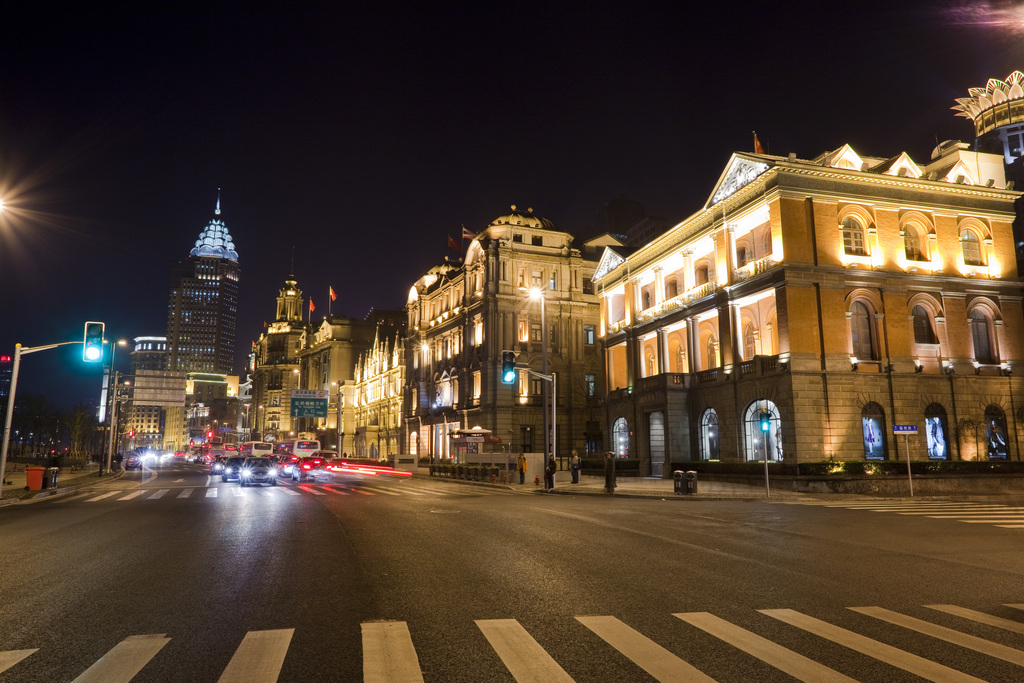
(111, 388)
(550, 448)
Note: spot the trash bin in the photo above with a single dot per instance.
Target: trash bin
(678, 486)
(34, 478)
(50, 478)
(691, 483)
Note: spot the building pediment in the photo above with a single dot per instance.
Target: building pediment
(609, 262)
(739, 173)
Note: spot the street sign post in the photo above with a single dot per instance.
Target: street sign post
(906, 431)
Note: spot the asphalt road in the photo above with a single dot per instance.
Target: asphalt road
(413, 578)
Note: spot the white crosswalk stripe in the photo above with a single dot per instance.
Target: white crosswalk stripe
(1003, 516)
(523, 656)
(987, 647)
(793, 663)
(185, 493)
(12, 657)
(101, 497)
(125, 660)
(259, 658)
(645, 653)
(159, 494)
(901, 659)
(389, 653)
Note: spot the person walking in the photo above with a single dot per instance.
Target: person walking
(575, 465)
(521, 467)
(609, 472)
(549, 474)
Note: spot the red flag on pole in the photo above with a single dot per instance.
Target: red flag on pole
(334, 297)
(452, 244)
(311, 306)
(758, 149)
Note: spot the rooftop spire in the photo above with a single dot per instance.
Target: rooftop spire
(217, 210)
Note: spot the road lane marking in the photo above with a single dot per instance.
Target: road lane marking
(1007, 654)
(12, 657)
(398, 492)
(918, 666)
(158, 494)
(134, 494)
(105, 495)
(355, 490)
(980, 617)
(430, 490)
(644, 652)
(211, 493)
(185, 493)
(309, 489)
(238, 491)
(337, 490)
(388, 492)
(523, 656)
(259, 658)
(124, 661)
(782, 658)
(388, 653)
(290, 492)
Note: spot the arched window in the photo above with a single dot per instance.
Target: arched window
(912, 243)
(703, 275)
(710, 448)
(760, 443)
(712, 353)
(620, 438)
(749, 342)
(671, 288)
(741, 257)
(981, 334)
(873, 425)
(679, 358)
(995, 433)
(651, 364)
(971, 247)
(935, 432)
(853, 237)
(862, 332)
(924, 333)
(647, 300)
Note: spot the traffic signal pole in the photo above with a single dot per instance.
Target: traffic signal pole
(19, 351)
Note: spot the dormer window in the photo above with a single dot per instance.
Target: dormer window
(853, 237)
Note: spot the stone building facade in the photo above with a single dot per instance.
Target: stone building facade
(811, 305)
(379, 388)
(462, 315)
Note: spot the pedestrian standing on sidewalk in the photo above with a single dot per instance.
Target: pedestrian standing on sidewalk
(609, 472)
(575, 466)
(549, 474)
(521, 467)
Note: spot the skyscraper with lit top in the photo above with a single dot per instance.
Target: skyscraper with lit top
(203, 309)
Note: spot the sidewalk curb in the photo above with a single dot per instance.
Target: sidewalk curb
(90, 478)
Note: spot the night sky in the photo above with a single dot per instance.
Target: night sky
(362, 134)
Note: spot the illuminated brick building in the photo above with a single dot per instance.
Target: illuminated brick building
(832, 297)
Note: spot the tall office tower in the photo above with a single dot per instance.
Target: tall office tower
(203, 309)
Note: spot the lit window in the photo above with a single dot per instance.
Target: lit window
(862, 332)
(981, 334)
(971, 247)
(853, 237)
(912, 244)
(588, 335)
